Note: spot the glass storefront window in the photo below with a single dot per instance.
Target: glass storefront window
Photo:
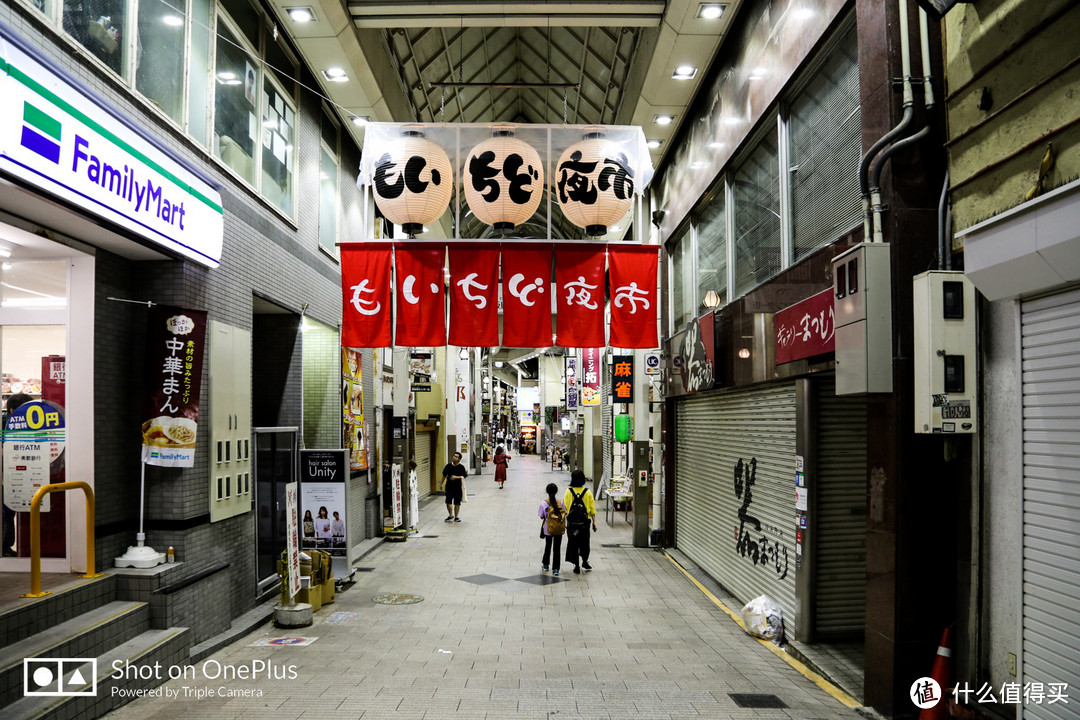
(159, 64)
(236, 93)
(328, 202)
(33, 350)
(712, 249)
(757, 216)
(101, 27)
(682, 280)
(278, 136)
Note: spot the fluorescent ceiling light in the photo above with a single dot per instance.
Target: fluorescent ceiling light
(301, 14)
(684, 72)
(664, 119)
(710, 11)
(335, 74)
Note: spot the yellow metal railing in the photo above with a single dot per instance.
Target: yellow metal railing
(35, 533)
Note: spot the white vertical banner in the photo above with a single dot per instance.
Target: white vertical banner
(414, 500)
(292, 537)
(462, 393)
(395, 488)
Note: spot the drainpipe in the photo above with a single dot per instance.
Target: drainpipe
(943, 201)
(868, 200)
(879, 165)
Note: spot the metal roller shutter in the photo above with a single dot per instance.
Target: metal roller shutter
(425, 444)
(1051, 512)
(714, 433)
(840, 510)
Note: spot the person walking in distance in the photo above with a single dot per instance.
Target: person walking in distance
(553, 511)
(454, 475)
(580, 514)
(502, 461)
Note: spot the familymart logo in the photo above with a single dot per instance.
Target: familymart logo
(41, 133)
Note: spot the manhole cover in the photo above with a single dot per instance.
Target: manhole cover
(754, 700)
(397, 599)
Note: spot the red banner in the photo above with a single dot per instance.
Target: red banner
(632, 272)
(474, 295)
(806, 328)
(365, 288)
(526, 282)
(579, 283)
(421, 314)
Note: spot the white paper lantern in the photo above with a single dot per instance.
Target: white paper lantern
(412, 182)
(504, 180)
(594, 184)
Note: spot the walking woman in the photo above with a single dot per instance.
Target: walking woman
(581, 512)
(554, 527)
(502, 461)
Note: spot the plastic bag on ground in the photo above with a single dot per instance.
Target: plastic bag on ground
(763, 619)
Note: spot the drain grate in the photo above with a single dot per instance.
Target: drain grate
(753, 700)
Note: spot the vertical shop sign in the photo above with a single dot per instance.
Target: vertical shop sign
(462, 406)
(292, 534)
(176, 341)
(395, 489)
(352, 411)
(571, 383)
(622, 379)
(323, 500)
(34, 430)
(590, 377)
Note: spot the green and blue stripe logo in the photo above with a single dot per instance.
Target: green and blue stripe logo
(41, 133)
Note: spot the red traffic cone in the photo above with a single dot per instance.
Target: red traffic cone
(942, 673)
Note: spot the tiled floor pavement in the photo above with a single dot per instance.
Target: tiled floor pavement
(633, 639)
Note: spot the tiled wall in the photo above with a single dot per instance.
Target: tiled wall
(322, 387)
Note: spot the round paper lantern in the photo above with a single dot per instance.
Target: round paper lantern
(412, 182)
(504, 180)
(594, 184)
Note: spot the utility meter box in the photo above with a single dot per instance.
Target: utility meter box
(945, 388)
(862, 308)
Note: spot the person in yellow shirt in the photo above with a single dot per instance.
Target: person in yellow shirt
(580, 513)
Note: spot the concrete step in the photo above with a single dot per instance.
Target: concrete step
(150, 649)
(86, 635)
(29, 616)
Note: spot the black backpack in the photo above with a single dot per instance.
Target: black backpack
(577, 516)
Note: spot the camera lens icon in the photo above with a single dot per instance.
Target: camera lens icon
(53, 677)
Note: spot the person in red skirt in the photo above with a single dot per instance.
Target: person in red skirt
(502, 460)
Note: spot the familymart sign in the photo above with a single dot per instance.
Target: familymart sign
(58, 139)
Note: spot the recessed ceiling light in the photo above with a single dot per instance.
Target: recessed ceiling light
(335, 74)
(684, 72)
(653, 144)
(360, 120)
(664, 119)
(301, 14)
(710, 11)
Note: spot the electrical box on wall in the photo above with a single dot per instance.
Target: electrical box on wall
(945, 389)
(862, 306)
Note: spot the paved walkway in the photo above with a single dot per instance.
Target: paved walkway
(494, 638)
